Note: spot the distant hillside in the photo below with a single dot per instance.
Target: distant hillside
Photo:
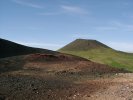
(8, 49)
(98, 52)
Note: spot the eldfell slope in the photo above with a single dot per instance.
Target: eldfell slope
(8, 49)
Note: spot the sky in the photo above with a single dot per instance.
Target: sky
(51, 24)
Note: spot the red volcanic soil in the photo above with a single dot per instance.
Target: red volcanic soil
(55, 62)
(53, 57)
(67, 63)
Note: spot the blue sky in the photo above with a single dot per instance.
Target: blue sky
(52, 24)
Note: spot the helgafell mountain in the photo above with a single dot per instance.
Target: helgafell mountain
(99, 52)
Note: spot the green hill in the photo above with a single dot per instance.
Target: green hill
(98, 52)
(82, 44)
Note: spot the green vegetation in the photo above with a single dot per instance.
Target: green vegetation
(104, 55)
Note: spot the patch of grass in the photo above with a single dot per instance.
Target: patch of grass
(107, 56)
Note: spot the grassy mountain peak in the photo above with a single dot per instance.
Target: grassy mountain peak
(83, 44)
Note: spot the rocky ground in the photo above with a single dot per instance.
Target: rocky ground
(119, 87)
(116, 87)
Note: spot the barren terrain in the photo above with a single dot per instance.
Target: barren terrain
(61, 77)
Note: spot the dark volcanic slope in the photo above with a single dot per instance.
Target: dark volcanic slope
(8, 49)
(83, 44)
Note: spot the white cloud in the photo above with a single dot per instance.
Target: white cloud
(28, 4)
(66, 10)
(125, 3)
(73, 9)
(49, 46)
(49, 13)
(122, 26)
(122, 46)
(116, 26)
(106, 28)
